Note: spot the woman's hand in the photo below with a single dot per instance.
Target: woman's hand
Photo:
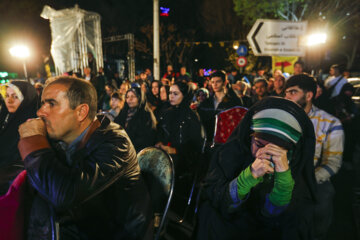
(275, 154)
(260, 167)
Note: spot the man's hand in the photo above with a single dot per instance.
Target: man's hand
(168, 149)
(275, 154)
(260, 167)
(32, 127)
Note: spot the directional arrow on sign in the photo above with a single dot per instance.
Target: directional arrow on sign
(277, 38)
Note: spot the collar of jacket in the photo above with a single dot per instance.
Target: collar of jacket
(93, 126)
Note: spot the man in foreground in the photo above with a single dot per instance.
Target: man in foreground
(83, 169)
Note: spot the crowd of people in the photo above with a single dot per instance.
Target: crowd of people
(77, 138)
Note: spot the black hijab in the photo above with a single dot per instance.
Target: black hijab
(10, 160)
(302, 162)
(9, 135)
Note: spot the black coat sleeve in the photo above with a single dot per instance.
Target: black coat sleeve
(226, 165)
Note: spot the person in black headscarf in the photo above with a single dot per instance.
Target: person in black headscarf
(137, 119)
(180, 130)
(153, 97)
(261, 182)
(21, 102)
(165, 103)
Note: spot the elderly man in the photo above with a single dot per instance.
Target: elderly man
(83, 170)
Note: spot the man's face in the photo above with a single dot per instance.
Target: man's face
(201, 72)
(169, 68)
(183, 71)
(60, 120)
(260, 88)
(298, 69)
(87, 71)
(296, 95)
(334, 72)
(217, 84)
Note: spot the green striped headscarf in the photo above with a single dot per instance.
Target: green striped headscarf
(277, 122)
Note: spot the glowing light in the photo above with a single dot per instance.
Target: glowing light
(164, 12)
(236, 45)
(4, 74)
(316, 39)
(20, 51)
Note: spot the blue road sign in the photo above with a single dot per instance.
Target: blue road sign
(242, 50)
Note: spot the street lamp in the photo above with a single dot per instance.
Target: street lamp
(21, 52)
(236, 45)
(316, 39)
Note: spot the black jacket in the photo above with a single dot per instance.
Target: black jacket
(180, 127)
(220, 218)
(98, 195)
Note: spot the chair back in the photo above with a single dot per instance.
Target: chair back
(157, 168)
(226, 122)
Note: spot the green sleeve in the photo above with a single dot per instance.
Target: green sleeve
(283, 187)
(245, 182)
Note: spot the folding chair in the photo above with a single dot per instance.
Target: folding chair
(157, 168)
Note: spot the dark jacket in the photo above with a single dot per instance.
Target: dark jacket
(221, 218)
(10, 160)
(99, 194)
(208, 112)
(180, 127)
(141, 128)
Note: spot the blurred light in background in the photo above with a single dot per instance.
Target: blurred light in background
(20, 51)
(316, 39)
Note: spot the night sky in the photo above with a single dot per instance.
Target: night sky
(206, 20)
(21, 22)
